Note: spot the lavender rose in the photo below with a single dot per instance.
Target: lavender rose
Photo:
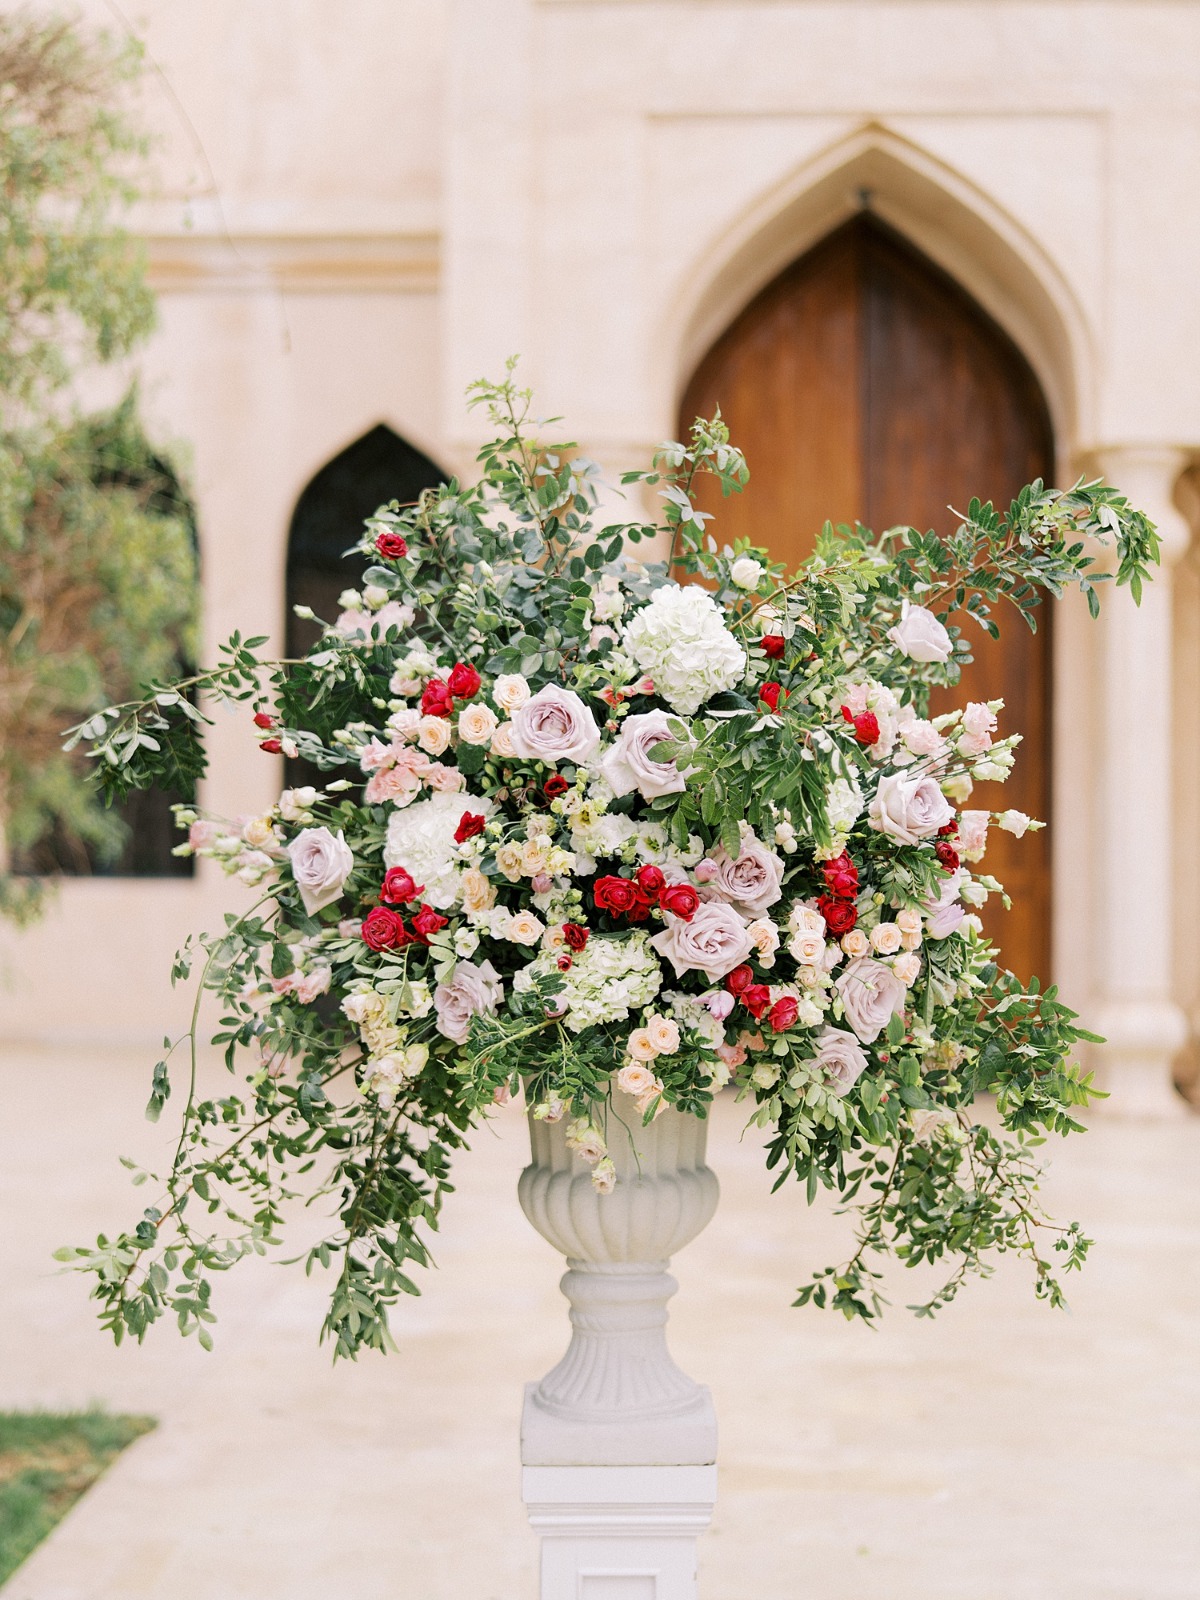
(321, 864)
(554, 725)
(628, 765)
(472, 990)
(920, 636)
(840, 1058)
(871, 993)
(714, 942)
(908, 809)
(945, 914)
(752, 882)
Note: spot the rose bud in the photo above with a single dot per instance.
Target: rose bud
(756, 998)
(437, 700)
(263, 719)
(575, 935)
(469, 825)
(771, 693)
(383, 929)
(555, 785)
(392, 546)
(783, 1013)
(651, 879)
(773, 645)
(427, 922)
(618, 895)
(840, 915)
(680, 899)
(564, 963)
(399, 888)
(841, 876)
(271, 746)
(739, 980)
(463, 682)
(866, 725)
(947, 855)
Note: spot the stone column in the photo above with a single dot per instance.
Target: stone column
(1138, 1015)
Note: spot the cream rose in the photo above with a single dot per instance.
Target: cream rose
(472, 991)
(524, 928)
(321, 864)
(663, 1033)
(855, 943)
(628, 764)
(636, 1078)
(714, 942)
(840, 1058)
(908, 809)
(920, 636)
(871, 993)
(511, 691)
(502, 741)
(885, 937)
(433, 735)
(640, 1047)
(752, 882)
(554, 725)
(478, 893)
(476, 723)
(907, 968)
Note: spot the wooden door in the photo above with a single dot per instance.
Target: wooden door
(863, 384)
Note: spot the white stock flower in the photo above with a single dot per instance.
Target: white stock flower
(681, 642)
(843, 804)
(321, 864)
(920, 636)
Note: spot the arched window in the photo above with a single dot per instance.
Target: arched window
(329, 516)
(864, 384)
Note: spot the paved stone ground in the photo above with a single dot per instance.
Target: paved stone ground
(1005, 1452)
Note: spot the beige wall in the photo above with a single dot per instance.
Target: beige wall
(362, 207)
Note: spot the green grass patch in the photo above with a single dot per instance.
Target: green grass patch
(47, 1460)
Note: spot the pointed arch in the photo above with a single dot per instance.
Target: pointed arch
(328, 518)
(948, 218)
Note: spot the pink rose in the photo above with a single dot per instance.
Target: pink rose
(554, 725)
(471, 991)
(908, 809)
(945, 913)
(871, 993)
(628, 764)
(841, 1059)
(714, 942)
(752, 882)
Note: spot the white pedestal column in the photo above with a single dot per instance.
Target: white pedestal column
(618, 1445)
(1144, 1026)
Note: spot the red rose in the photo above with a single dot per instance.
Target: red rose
(618, 895)
(783, 1013)
(947, 855)
(680, 899)
(263, 719)
(393, 546)
(651, 879)
(437, 700)
(468, 826)
(383, 929)
(398, 887)
(756, 999)
(866, 727)
(554, 786)
(575, 935)
(841, 876)
(840, 915)
(427, 922)
(271, 746)
(463, 682)
(739, 980)
(770, 693)
(640, 909)
(773, 645)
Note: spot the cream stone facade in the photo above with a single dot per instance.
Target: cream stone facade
(363, 207)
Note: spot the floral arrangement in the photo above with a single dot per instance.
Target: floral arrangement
(576, 809)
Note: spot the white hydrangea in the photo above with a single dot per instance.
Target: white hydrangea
(607, 980)
(420, 838)
(680, 641)
(843, 804)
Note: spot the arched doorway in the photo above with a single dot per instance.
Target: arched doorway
(864, 384)
(329, 517)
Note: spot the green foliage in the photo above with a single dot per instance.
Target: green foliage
(97, 543)
(510, 574)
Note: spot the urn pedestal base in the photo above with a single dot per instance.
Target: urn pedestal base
(618, 1445)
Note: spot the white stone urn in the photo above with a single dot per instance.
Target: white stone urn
(617, 1398)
